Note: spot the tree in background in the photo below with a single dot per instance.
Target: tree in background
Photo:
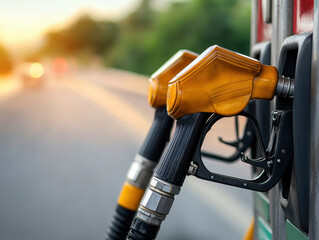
(129, 51)
(5, 61)
(193, 25)
(84, 35)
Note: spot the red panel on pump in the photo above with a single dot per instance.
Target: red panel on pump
(263, 29)
(303, 16)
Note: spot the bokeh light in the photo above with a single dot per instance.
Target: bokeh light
(60, 66)
(36, 70)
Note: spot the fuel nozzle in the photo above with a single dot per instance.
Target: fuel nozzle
(141, 170)
(223, 82)
(158, 83)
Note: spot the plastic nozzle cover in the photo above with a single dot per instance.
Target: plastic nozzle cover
(158, 82)
(219, 81)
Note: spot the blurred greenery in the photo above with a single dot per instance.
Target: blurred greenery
(146, 38)
(84, 35)
(5, 61)
(193, 25)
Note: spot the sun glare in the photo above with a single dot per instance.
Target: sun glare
(36, 70)
(25, 23)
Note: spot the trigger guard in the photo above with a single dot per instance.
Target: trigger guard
(241, 145)
(203, 173)
(264, 181)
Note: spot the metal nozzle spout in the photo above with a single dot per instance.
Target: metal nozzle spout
(285, 87)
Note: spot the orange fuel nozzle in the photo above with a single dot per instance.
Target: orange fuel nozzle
(220, 81)
(158, 83)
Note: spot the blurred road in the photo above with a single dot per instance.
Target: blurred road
(64, 151)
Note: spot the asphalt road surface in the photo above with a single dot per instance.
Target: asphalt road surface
(65, 147)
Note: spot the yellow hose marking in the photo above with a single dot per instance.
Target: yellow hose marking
(130, 197)
(250, 231)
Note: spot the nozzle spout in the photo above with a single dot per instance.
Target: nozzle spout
(285, 87)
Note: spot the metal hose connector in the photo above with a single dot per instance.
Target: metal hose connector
(153, 210)
(157, 201)
(140, 172)
(285, 87)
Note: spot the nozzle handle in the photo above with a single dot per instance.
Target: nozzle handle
(168, 178)
(176, 159)
(139, 175)
(158, 136)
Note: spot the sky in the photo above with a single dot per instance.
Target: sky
(23, 22)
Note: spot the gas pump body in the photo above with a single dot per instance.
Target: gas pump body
(290, 210)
